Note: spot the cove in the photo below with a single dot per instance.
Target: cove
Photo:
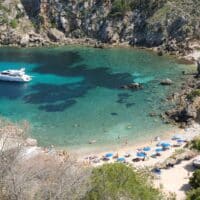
(75, 94)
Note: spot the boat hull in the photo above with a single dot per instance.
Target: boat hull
(15, 79)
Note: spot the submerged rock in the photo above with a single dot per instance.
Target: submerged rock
(152, 114)
(166, 82)
(92, 141)
(114, 114)
(133, 86)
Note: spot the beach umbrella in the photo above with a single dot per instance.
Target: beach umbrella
(180, 141)
(108, 155)
(159, 149)
(147, 149)
(160, 143)
(165, 145)
(157, 171)
(141, 154)
(121, 159)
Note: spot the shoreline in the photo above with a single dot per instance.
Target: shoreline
(188, 58)
(93, 149)
(191, 57)
(189, 133)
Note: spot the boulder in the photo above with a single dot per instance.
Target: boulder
(133, 86)
(160, 52)
(166, 82)
(20, 7)
(152, 114)
(31, 142)
(24, 40)
(65, 24)
(55, 35)
(190, 112)
(115, 38)
(99, 45)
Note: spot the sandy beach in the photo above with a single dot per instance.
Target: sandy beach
(188, 133)
(173, 180)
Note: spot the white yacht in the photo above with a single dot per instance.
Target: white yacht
(15, 76)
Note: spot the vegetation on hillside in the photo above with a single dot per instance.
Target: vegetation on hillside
(195, 179)
(195, 144)
(120, 7)
(117, 181)
(49, 176)
(194, 193)
(193, 94)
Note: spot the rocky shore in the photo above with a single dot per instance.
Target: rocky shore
(187, 102)
(166, 27)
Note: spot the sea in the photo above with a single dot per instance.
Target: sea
(75, 95)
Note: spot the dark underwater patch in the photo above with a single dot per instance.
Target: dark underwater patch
(63, 64)
(59, 107)
(11, 90)
(114, 114)
(128, 105)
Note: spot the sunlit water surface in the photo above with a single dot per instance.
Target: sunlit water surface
(75, 94)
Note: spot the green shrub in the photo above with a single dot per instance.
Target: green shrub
(13, 23)
(3, 21)
(117, 181)
(120, 7)
(193, 94)
(195, 144)
(193, 194)
(195, 179)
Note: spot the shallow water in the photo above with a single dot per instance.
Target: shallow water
(75, 94)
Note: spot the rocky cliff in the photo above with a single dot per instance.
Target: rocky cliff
(168, 24)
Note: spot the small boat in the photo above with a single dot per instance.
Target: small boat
(15, 75)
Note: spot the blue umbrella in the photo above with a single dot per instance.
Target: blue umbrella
(121, 159)
(159, 149)
(147, 149)
(180, 141)
(108, 155)
(141, 154)
(157, 171)
(160, 143)
(165, 145)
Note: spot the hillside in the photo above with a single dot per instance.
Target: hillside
(170, 24)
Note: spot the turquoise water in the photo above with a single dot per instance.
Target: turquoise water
(75, 94)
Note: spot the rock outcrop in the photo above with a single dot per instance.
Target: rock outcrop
(166, 82)
(55, 35)
(132, 86)
(167, 25)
